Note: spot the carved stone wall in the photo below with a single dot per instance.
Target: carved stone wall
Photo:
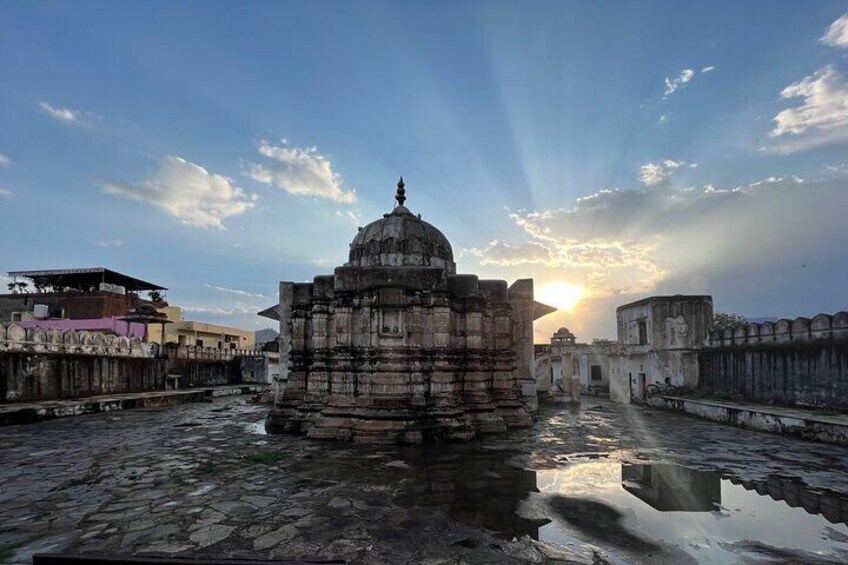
(38, 364)
(425, 356)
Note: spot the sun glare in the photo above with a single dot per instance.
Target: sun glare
(562, 295)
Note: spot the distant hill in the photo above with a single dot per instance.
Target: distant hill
(264, 336)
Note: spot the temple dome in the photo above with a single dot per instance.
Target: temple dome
(401, 239)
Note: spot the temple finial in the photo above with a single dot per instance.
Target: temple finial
(401, 192)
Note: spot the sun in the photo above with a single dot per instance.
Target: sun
(562, 295)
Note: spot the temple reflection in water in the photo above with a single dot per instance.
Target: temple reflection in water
(474, 488)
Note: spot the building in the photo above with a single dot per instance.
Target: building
(659, 339)
(395, 347)
(91, 299)
(189, 332)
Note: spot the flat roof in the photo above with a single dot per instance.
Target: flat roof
(84, 279)
(672, 298)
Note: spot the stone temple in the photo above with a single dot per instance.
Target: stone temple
(396, 347)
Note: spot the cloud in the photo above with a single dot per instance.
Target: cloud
(821, 116)
(501, 253)
(235, 291)
(651, 174)
(6, 194)
(320, 261)
(300, 171)
(5, 161)
(187, 192)
(219, 311)
(672, 84)
(109, 243)
(65, 115)
(837, 34)
(626, 241)
(351, 215)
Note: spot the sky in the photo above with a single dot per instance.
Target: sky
(608, 150)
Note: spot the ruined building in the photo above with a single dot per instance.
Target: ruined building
(659, 340)
(397, 347)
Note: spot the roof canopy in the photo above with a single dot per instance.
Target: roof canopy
(85, 279)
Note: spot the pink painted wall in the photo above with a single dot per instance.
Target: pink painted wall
(130, 329)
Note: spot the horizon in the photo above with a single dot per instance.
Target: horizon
(610, 152)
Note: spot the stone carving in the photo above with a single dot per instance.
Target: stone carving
(14, 337)
(396, 347)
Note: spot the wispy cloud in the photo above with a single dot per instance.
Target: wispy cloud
(109, 243)
(65, 115)
(187, 192)
(5, 161)
(504, 254)
(821, 117)
(672, 84)
(235, 291)
(6, 194)
(300, 171)
(355, 218)
(320, 261)
(238, 309)
(837, 34)
(651, 174)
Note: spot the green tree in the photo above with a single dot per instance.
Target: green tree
(721, 321)
(157, 297)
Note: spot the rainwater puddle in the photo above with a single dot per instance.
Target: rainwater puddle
(637, 513)
(257, 428)
(667, 513)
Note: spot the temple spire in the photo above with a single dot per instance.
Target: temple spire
(401, 192)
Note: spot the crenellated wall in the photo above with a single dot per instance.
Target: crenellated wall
(38, 364)
(802, 361)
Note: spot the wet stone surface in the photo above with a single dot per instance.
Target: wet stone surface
(593, 484)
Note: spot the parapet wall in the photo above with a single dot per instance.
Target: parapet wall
(823, 327)
(802, 361)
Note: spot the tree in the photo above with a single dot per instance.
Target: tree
(157, 297)
(722, 321)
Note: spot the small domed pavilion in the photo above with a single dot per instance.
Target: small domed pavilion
(395, 347)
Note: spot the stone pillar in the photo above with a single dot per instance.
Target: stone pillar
(521, 299)
(284, 311)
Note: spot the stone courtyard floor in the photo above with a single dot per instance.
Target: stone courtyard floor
(599, 483)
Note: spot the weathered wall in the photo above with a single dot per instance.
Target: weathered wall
(38, 364)
(28, 377)
(799, 361)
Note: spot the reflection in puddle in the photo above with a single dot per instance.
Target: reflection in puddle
(476, 490)
(672, 488)
(637, 510)
(638, 513)
(257, 428)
